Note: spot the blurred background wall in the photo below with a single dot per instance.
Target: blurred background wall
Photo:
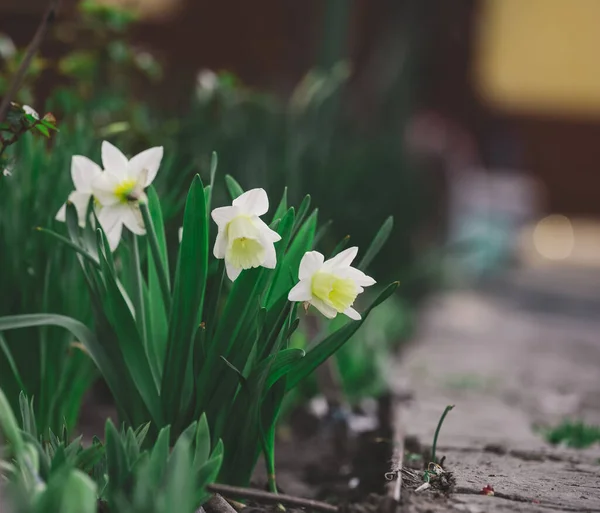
(509, 84)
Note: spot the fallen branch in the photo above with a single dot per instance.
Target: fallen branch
(33, 47)
(271, 498)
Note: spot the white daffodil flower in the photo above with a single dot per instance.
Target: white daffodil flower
(330, 286)
(120, 188)
(243, 239)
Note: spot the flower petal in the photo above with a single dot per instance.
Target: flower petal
(253, 202)
(146, 163)
(232, 272)
(326, 310)
(220, 247)
(301, 292)
(357, 276)
(223, 215)
(83, 172)
(104, 187)
(270, 261)
(352, 313)
(114, 236)
(113, 160)
(266, 232)
(110, 216)
(132, 219)
(81, 201)
(311, 262)
(342, 259)
(180, 233)
(61, 215)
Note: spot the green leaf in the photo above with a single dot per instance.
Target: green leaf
(138, 296)
(81, 333)
(287, 271)
(27, 415)
(130, 343)
(89, 457)
(49, 125)
(160, 453)
(318, 354)
(282, 207)
(202, 445)
(378, 241)
(214, 161)
(301, 215)
(157, 245)
(188, 299)
(42, 129)
(11, 363)
(179, 488)
(340, 246)
(321, 232)
(79, 494)
(233, 187)
(141, 433)
(238, 373)
(81, 251)
(117, 466)
(207, 474)
(273, 368)
(10, 428)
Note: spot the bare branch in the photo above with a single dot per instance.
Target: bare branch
(32, 49)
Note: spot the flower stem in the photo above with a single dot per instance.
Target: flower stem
(437, 431)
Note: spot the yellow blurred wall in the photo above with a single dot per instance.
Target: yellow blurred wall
(539, 56)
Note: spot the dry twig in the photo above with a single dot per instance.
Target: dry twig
(271, 498)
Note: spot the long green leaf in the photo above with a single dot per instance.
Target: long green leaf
(81, 333)
(234, 188)
(379, 240)
(188, 299)
(288, 269)
(158, 252)
(130, 343)
(282, 207)
(11, 363)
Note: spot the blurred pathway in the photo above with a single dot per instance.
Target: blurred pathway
(522, 351)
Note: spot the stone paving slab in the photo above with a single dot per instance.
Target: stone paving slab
(506, 368)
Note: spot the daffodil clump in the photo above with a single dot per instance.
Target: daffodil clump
(210, 334)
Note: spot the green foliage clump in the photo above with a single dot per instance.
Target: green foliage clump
(573, 433)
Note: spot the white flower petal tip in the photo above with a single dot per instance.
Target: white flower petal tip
(243, 239)
(331, 286)
(253, 202)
